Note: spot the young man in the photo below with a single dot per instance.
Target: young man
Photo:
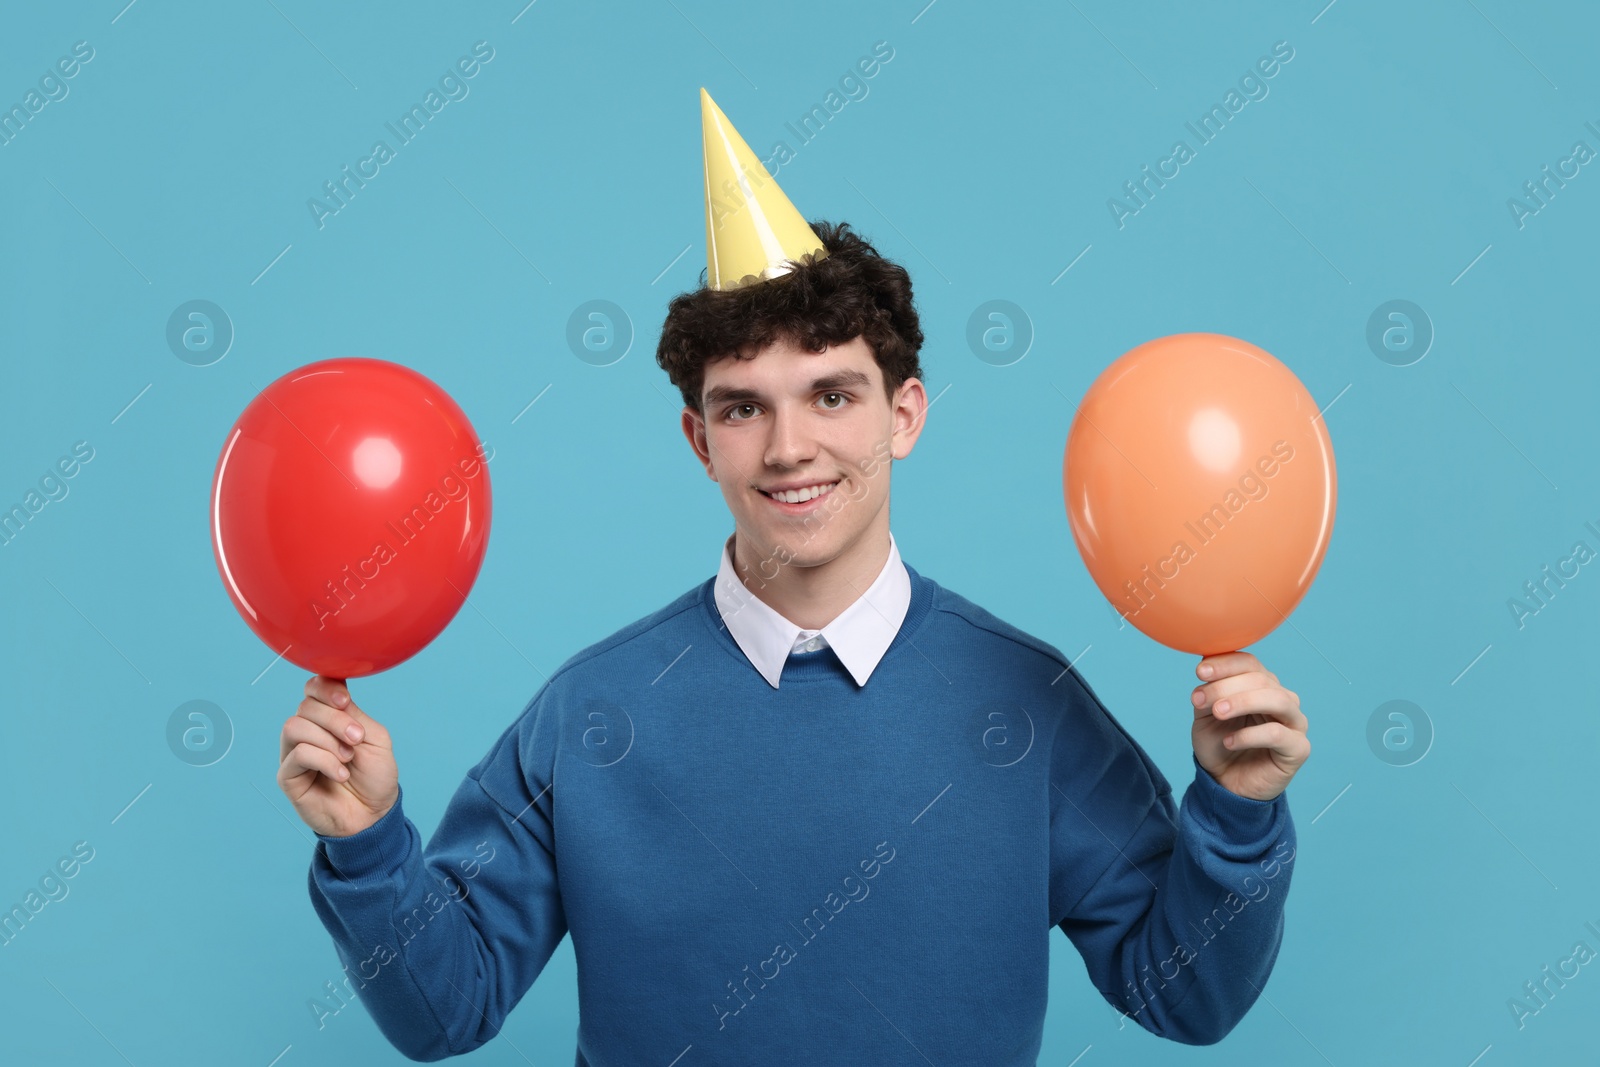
(819, 808)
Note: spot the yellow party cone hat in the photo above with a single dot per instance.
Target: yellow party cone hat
(753, 232)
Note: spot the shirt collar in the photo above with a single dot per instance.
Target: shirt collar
(859, 636)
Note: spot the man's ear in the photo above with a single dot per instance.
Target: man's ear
(694, 430)
(910, 416)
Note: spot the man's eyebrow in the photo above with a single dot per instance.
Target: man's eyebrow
(837, 380)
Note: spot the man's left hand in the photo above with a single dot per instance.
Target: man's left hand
(1249, 732)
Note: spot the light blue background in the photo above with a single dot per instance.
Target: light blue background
(982, 158)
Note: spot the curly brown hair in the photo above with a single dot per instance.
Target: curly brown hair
(851, 292)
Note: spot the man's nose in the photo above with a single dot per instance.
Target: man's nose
(790, 443)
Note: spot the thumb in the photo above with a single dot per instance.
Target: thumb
(371, 729)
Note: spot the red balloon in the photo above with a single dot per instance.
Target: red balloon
(350, 514)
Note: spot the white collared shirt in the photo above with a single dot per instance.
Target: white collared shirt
(859, 636)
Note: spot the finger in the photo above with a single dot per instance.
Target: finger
(298, 728)
(1292, 745)
(1278, 704)
(1224, 664)
(1206, 695)
(1232, 690)
(371, 728)
(331, 691)
(307, 757)
(340, 724)
(337, 695)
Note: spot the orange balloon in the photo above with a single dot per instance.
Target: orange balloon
(1200, 488)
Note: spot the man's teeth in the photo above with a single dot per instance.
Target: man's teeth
(798, 496)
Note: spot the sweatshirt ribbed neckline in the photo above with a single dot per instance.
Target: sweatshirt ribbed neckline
(823, 664)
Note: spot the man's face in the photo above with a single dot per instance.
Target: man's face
(794, 418)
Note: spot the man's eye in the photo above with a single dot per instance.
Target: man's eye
(841, 397)
(739, 407)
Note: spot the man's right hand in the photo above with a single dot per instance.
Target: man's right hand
(339, 783)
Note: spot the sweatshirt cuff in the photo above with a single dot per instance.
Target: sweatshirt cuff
(380, 849)
(1237, 819)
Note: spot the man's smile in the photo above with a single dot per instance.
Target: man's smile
(798, 500)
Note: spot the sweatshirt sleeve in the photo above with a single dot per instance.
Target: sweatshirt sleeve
(1178, 912)
(441, 943)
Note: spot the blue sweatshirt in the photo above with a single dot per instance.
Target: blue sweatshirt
(770, 876)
